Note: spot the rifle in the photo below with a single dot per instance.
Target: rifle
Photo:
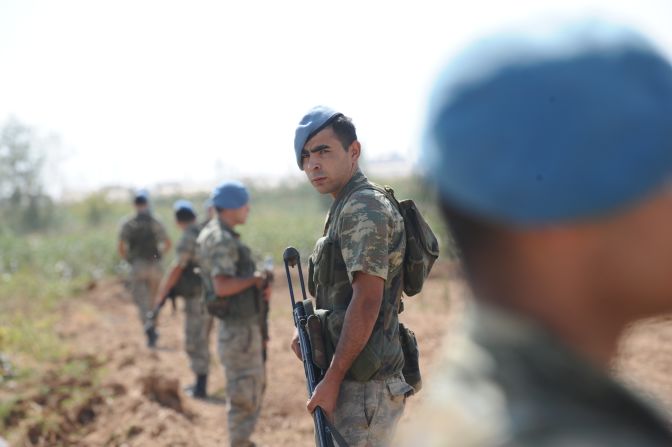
(152, 314)
(323, 429)
(263, 318)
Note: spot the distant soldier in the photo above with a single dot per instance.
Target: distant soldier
(185, 281)
(355, 276)
(142, 242)
(553, 161)
(234, 294)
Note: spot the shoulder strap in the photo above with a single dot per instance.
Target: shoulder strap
(340, 441)
(337, 207)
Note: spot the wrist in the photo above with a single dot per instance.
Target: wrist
(335, 373)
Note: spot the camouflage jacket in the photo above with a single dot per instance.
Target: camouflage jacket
(221, 252)
(364, 233)
(186, 247)
(189, 284)
(503, 381)
(143, 235)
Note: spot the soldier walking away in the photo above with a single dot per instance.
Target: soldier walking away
(355, 277)
(142, 242)
(234, 292)
(553, 160)
(184, 280)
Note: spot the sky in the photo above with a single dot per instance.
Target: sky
(148, 92)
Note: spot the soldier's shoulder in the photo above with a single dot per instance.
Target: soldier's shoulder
(213, 233)
(368, 200)
(126, 222)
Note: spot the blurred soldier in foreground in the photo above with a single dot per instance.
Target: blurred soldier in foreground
(185, 281)
(553, 160)
(234, 294)
(142, 242)
(355, 275)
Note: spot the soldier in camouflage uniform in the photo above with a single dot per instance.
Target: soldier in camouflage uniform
(233, 293)
(355, 276)
(185, 280)
(142, 242)
(554, 170)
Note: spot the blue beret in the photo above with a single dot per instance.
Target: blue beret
(314, 121)
(529, 132)
(183, 205)
(230, 194)
(141, 194)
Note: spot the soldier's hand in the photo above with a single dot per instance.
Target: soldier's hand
(295, 344)
(258, 281)
(325, 396)
(267, 293)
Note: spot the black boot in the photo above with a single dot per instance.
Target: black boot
(198, 390)
(152, 336)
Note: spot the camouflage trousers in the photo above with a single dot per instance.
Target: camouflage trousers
(144, 282)
(240, 351)
(367, 413)
(197, 325)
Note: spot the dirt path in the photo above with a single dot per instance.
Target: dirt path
(103, 325)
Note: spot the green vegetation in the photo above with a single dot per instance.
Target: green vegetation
(40, 268)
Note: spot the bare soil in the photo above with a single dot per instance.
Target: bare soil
(124, 394)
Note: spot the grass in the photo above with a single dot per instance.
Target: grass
(38, 271)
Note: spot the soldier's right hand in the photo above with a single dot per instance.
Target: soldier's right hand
(295, 344)
(258, 281)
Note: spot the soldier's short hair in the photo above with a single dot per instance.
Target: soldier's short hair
(184, 215)
(345, 130)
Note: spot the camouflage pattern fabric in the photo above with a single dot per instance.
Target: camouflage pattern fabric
(217, 253)
(187, 245)
(197, 334)
(240, 351)
(502, 381)
(148, 226)
(370, 232)
(145, 274)
(144, 283)
(367, 412)
(364, 233)
(239, 341)
(368, 236)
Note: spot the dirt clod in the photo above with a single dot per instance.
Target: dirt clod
(163, 391)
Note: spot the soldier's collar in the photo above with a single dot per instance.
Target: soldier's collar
(357, 179)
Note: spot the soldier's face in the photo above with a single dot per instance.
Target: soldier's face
(327, 164)
(637, 265)
(242, 213)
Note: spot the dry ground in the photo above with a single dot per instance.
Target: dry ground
(104, 330)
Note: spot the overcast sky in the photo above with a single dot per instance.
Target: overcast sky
(142, 92)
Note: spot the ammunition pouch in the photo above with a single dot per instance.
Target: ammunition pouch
(190, 283)
(242, 306)
(411, 369)
(324, 328)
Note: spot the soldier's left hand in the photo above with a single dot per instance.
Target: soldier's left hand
(325, 396)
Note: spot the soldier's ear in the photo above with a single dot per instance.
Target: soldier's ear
(355, 150)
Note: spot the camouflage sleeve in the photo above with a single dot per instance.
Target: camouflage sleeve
(223, 257)
(363, 230)
(186, 249)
